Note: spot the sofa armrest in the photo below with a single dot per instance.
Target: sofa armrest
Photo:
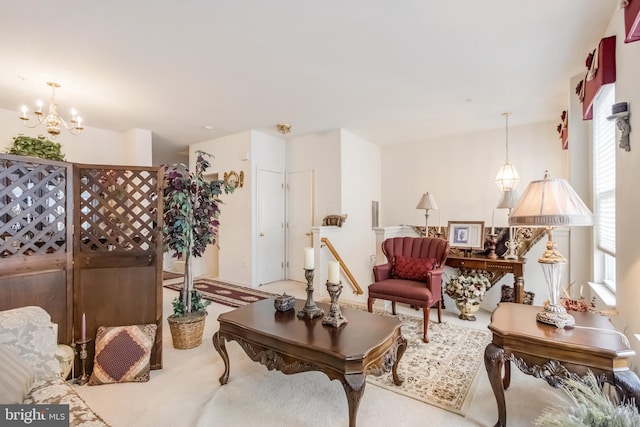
(382, 272)
(28, 331)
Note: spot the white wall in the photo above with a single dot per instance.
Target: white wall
(233, 263)
(92, 145)
(460, 172)
(361, 180)
(627, 194)
(321, 153)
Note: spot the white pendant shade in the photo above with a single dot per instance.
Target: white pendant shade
(507, 177)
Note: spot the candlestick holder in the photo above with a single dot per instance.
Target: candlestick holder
(83, 360)
(335, 316)
(492, 241)
(310, 309)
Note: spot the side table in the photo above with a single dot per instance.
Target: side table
(550, 353)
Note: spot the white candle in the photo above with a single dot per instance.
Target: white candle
(308, 259)
(439, 226)
(493, 215)
(334, 272)
(84, 327)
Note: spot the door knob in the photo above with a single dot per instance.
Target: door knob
(261, 234)
(307, 234)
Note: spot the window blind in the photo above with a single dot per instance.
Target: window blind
(604, 137)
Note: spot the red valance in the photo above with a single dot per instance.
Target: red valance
(632, 21)
(601, 66)
(563, 129)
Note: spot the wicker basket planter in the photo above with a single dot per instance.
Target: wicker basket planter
(186, 331)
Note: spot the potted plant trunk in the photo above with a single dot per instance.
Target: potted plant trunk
(190, 223)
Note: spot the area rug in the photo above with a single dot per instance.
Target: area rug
(442, 372)
(225, 293)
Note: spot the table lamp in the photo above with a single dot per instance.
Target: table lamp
(427, 202)
(508, 201)
(551, 203)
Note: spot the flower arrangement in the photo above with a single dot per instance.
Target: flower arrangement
(468, 287)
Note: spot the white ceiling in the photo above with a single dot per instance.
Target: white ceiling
(390, 71)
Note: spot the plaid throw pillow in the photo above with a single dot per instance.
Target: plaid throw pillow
(123, 354)
(412, 268)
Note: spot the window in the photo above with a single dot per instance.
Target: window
(604, 168)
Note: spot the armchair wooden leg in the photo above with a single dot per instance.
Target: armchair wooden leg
(393, 307)
(439, 313)
(370, 305)
(425, 321)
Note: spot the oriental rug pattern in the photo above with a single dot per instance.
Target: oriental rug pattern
(443, 372)
(225, 293)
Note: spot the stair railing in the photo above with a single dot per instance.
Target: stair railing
(356, 288)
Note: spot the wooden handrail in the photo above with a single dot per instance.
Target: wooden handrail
(354, 283)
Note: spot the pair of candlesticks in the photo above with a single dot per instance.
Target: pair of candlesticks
(311, 310)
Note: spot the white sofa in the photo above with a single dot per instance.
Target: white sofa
(29, 363)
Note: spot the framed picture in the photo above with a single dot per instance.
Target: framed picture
(466, 234)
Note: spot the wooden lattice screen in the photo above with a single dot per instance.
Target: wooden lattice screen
(117, 210)
(117, 271)
(36, 209)
(33, 208)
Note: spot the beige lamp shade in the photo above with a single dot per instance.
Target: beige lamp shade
(509, 199)
(550, 203)
(427, 201)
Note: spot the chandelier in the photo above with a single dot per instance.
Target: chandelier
(52, 120)
(507, 178)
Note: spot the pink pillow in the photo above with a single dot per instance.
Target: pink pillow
(413, 268)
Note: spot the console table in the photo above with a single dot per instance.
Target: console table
(500, 265)
(551, 353)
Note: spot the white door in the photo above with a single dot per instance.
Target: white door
(300, 188)
(271, 236)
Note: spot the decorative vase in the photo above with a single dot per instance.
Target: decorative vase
(467, 309)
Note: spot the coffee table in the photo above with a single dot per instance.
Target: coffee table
(367, 344)
(547, 352)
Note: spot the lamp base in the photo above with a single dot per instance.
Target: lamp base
(556, 316)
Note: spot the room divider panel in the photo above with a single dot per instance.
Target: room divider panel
(118, 249)
(80, 239)
(35, 237)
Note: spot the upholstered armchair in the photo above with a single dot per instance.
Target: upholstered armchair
(412, 275)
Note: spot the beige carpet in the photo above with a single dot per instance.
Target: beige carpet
(186, 392)
(442, 372)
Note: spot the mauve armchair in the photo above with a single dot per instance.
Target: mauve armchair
(412, 275)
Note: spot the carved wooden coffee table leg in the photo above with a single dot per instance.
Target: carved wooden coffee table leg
(218, 343)
(354, 388)
(402, 347)
(493, 362)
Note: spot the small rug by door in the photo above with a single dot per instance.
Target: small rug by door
(443, 372)
(225, 293)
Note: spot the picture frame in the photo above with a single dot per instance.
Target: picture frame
(466, 234)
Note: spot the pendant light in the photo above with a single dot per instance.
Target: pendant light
(507, 178)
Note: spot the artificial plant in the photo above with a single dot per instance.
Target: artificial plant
(190, 222)
(41, 147)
